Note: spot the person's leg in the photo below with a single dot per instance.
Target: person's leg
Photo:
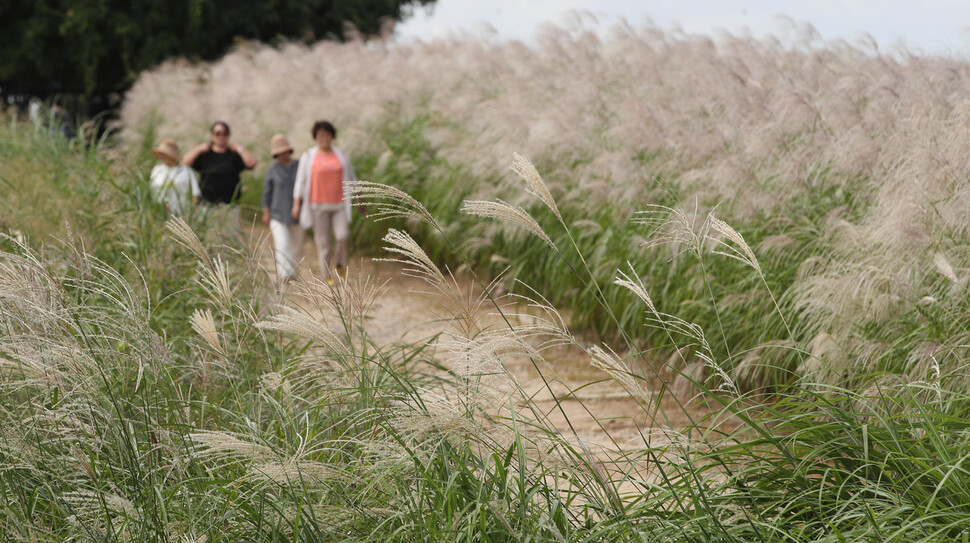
(281, 250)
(321, 234)
(297, 236)
(341, 231)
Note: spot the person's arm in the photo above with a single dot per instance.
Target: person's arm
(194, 184)
(248, 159)
(189, 158)
(267, 194)
(299, 187)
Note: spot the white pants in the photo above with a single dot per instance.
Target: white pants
(287, 247)
(329, 218)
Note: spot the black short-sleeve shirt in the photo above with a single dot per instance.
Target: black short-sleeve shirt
(219, 176)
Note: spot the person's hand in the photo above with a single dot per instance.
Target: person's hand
(266, 218)
(295, 211)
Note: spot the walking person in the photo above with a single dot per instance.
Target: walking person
(173, 184)
(321, 198)
(219, 164)
(277, 208)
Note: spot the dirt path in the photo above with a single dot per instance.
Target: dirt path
(581, 400)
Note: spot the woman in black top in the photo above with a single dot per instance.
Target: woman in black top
(219, 164)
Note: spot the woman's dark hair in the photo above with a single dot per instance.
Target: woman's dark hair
(220, 123)
(323, 125)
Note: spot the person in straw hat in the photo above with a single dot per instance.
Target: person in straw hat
(277, 206)
(172, 183)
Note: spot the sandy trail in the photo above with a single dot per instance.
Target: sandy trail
(582, 401)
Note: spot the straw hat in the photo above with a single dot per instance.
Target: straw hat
(279, 144)
(168, 149)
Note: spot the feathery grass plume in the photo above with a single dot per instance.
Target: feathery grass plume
(217, 282)
(536, 186)
(505, 212)
(301, 473)
(485, 353)
(484, 384)
(435, 415)
(694, 333)
(548, 327)
(29, 362)
(273, 381)
(392, 202)
(294, 321)
(223, 445)
(609, 362)
(549, 332)
(356, 296)
(946, 270)
(186, 237)
(635, 286)
(204, 324)
(417, 262)
(30, 295)
(90, 505)
(672, 226)
(742, 252)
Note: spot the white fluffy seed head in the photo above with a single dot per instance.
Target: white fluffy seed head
(943, 266)
(204, 324)
(739, 250)
(418, 263)
(508, 213)
(392, 202)
(293, 321)
(186, 237)
(535, 185)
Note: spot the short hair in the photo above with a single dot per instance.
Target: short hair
(323, 125)
(224, 124)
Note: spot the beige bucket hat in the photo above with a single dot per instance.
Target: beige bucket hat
(279, 144)
(167, 148)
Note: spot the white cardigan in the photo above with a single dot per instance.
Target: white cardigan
(301, 189)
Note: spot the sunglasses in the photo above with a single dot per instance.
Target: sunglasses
(220, 133)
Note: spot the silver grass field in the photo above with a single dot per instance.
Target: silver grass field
(762, 244)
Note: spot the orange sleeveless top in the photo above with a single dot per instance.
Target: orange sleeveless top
(327, 179)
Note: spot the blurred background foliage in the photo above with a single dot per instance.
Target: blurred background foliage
(87, 46)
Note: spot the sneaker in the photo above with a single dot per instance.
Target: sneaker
(330, 281)
(341, 271)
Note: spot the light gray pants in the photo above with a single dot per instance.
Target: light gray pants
(287, 247)
(327, 219)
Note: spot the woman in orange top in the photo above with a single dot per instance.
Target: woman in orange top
(321, 197)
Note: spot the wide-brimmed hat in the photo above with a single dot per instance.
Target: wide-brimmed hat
(279, 144)
(167, 148)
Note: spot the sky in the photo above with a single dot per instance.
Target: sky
(927, 26)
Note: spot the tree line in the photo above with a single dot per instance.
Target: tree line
(84, 47)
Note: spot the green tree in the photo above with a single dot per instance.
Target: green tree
(83, 46)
